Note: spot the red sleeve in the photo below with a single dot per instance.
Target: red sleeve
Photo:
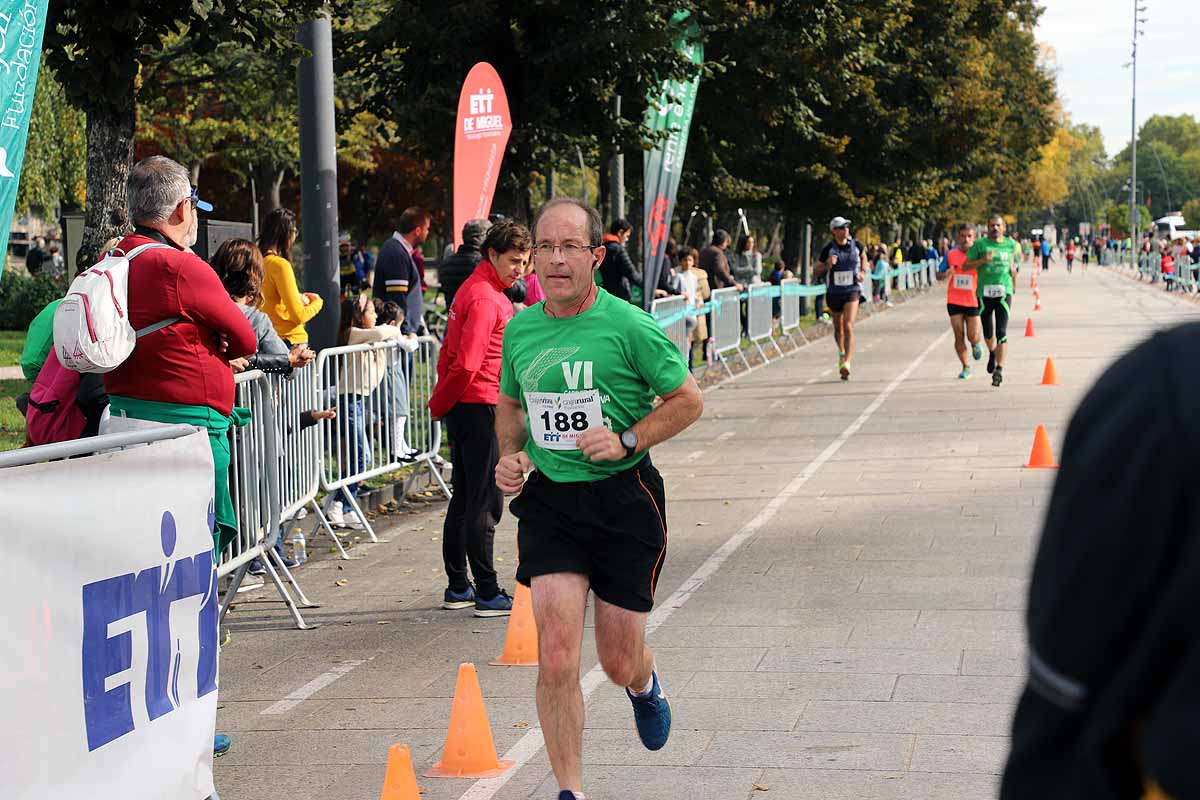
(205, 300)
(478, 321)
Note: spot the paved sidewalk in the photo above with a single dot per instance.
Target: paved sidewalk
(864, 640)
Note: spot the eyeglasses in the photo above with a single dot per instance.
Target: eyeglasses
(570, 250)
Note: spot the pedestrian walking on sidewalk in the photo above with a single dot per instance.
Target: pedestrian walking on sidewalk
(576, 413)
(468, 387)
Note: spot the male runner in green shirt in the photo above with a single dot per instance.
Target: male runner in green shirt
(578, 378)
(995, 257)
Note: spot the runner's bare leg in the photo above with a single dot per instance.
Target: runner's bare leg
(559, 605)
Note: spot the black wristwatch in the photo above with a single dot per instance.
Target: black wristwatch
(629, 441)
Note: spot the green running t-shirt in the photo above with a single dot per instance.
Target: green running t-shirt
(603, 366)
(1002, 256)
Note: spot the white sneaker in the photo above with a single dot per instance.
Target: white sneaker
(334, 514)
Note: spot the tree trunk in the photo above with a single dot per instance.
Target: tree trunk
(109, 157)
(775, 248)
(196, 173)
(273, 201)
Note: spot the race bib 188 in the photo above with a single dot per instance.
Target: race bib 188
(557, 420)
(843, 278)
(994, 291)
(962, 281)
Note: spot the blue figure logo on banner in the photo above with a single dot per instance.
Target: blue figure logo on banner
(149, 641)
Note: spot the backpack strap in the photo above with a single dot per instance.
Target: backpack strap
(158, 326)
(135, 252)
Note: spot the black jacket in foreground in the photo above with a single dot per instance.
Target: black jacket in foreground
(1113, 693)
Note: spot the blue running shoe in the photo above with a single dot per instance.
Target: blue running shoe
(966, 373)
(976, 351)
(452, 601)
(498, 606)
(566, 794)
(221, 745)
(652, 714)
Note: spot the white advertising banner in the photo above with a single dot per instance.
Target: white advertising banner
(109, 607)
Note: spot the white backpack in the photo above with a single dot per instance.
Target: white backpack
(91, 325)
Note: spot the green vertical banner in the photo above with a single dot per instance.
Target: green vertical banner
(22, 23)
(671, 111)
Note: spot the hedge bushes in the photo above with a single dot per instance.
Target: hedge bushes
(21, 299)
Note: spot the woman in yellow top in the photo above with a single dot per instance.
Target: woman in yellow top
(282, 299)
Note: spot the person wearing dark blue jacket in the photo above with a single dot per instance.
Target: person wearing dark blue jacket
(396, 276)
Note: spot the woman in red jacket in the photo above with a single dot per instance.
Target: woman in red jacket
(465, 397)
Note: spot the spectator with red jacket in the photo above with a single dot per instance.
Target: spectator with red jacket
(465, 397)
(179, 374)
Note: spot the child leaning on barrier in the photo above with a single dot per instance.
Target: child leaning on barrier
(393, 401)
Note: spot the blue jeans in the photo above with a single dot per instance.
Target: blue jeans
(352, 429)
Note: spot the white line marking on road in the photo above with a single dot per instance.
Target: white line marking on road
(693, 456)
(312, 687)
(529, 744)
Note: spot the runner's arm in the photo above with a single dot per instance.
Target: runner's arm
(678, 410)
(511, 433)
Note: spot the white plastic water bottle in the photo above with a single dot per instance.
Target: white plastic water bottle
(299, 546)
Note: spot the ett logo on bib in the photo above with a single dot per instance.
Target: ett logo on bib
(558, 419)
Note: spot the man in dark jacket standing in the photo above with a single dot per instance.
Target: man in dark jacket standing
(396, 276)
(716, 264)
(617, 270)
(456, 268)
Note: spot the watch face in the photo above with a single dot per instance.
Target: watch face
(629, 439)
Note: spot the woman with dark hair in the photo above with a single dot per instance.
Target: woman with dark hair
(746, 262)
(239, 265)
(282, 300)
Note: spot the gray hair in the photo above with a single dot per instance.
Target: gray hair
(474, 232)
(156, 185)
(595, 227)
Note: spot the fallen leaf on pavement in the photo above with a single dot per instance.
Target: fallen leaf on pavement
(342, 582)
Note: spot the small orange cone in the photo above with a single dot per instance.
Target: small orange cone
(520, 646)
(470, 751)
(1029, 328)
(400, 783)
(1041, 456)
(1037, 303)
(1050, 375)
(1032, 281)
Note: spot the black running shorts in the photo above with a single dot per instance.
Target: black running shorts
(995, 318)
(967, 311)
(836, 301)
(613, 530)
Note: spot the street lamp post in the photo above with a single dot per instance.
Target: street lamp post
(1134, 212)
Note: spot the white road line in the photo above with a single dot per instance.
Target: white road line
(531, 743)
(312, 687)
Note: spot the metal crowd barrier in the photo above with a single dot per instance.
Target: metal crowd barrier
(254, 483)
(789, 307)
(381, 391)
(671, 315)
(726, 326)
(759, 323)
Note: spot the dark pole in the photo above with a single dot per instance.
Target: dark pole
(806, 263)
(318, 177)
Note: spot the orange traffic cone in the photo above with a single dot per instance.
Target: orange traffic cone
(1029, 328)
(1041, 456)
(470, 751)
(520, 646)
(1032, 281)
(1037, 303)
(400, 783)
(1049, 375)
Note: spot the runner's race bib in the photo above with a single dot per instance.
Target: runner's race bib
(557, 420)
(964, 282)
(994, 291)
(844, 278)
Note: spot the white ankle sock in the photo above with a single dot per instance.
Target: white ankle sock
(647, 689)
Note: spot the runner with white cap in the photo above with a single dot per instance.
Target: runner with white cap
(841, 264)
